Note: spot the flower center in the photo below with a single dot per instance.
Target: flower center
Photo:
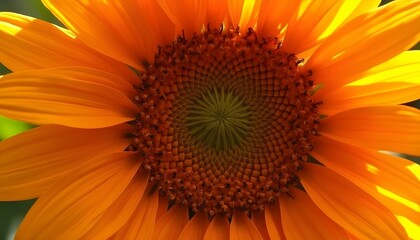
(226, 121)
(219, 119)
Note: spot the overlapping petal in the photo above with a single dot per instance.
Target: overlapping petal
(121, 210)
(349, 206)
(316, 20)
(75, 97)
(366, 41)
(188, 15)
(242, 228)
(142, 222)
(170, 225)
(393, 128)
(216, 12)
(243, 13)
(29, 43)
(269, 25)
(298, 210)
(163, 207)
(195, 228)
(34, 160)
(391, 83)
(273, 221)
(385, 177)
(218, 229)
(75, 204)
(125, 30)
(258, 219)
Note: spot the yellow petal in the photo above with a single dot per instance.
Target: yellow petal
(318, 20)
(242, 228)
(195, 228)
(170, 225)
(349, 206)
(71, 207)
(393, 128)
(244, 13)
(411, 228)
(387, 178)
(188, 15)
(366, 41)
(75, 97)
(400, 68)
(218, 229)
(142, 222)
(121, 210)
(273, 221)
(391, 83)
(298, 211)
(269, 24)
(28, 43)
(32, 161)
(115, 28)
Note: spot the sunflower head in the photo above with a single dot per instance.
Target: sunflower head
(201, 119)
(238, 120)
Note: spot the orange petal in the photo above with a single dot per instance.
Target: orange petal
(242, 228)
(393, 128)
(273, 221)
(142, 222)
(74, 205)
(157, 21)
(74, 96)
(121, 210)
(375, 94)
(195, 228)
(29, 43)
(391, 83)
(359, 45)
(115, 28)
(258, 218)
(269, 24)
(385, 177)
(349, 206)
(32, 161)
(218, 229)
(244, 13)
(318, 20)
(163, 206)
(170, 225)
(216, 12)
(188, 15)
(298, 211)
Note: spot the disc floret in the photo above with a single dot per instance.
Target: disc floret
(226, 121)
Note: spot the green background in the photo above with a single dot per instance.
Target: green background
(11, 213)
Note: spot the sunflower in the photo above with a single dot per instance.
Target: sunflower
(252, 119)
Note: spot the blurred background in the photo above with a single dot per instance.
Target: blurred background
(11, 213)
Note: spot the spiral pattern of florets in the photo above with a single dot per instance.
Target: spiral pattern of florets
(226, 121)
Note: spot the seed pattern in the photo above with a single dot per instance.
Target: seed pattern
(273, 96)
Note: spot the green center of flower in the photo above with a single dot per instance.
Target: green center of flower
(219, 119)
